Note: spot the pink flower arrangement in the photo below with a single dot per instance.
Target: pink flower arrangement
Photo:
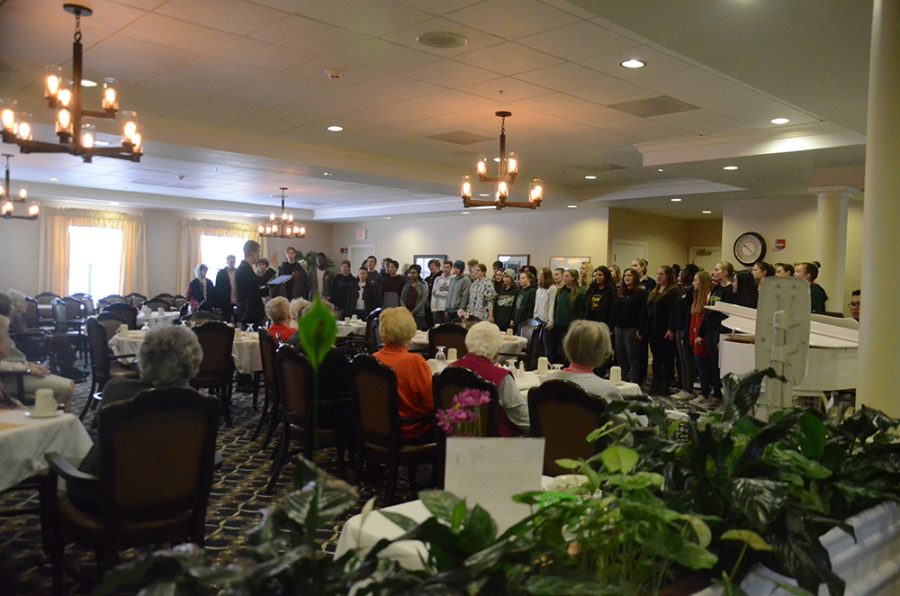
(463, 416)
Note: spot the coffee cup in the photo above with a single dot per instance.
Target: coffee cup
(509, 332)
(615, 374)
(354, 318)
(452, 354)
(44, 404)
(122, 329)
(434, 365)
(543, 365)
(160, 310)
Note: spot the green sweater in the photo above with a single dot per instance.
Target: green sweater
(567, 310)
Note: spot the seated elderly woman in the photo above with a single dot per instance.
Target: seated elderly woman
(6, 402)
(36, 377)
(170, 356)
(483, 342)
(18, 307)
(587, 346)
(279, 312)
(413, 375)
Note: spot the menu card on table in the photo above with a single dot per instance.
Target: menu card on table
(489, 471)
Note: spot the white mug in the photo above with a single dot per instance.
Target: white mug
(509, 332)
(543, 364)
(354, 318)
(160, 310)
(615, 374)
(451, 354)
(44, 402)
(122, 329)
(434, 365)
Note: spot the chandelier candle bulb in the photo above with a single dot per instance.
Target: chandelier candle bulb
(23, 126)
(34, 210)
(8, 115)
(88, 135)
(52, 81)
(63, 123)
(466, 188)
(110, 100)
(23, 194)
(64, 97)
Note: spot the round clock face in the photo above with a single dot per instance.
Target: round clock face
(749, 248)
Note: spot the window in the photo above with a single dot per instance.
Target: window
(95, 261)
(214, 249)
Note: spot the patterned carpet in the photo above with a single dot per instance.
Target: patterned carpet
(234, 506)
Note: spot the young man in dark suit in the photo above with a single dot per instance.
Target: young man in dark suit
(226, 288)
(249, 298)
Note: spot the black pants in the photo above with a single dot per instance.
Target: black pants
(663, 364)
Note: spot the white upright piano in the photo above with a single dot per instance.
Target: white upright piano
(831, 364)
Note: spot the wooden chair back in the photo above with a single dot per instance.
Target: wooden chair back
(267, 349)
(124, 311)
(373, 336)
(532, 330)
(377, 401)
(564, 414)
(448, 335)
(46, 298)
(454, 379)
(217, 367)
(135, 299)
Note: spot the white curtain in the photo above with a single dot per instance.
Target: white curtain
(53, 257)
(189, 243)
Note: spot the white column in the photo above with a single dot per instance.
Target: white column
(879, 346)
(831, 242)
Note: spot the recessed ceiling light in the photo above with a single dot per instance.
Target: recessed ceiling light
(54, 180)
(100, 143)
(248, 215)
(465, 212)
(659, 169)
(633, 63)
(114, 203)
(730, 168)
(573, 206)
(497, 159)
(88, 83)
(706, 212)
(590, 177)
(335, 128)
(327, 174)
(779, 120)
(675, 200)
(388, 217)
(484, 194)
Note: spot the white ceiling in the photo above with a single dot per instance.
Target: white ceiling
(235, 102)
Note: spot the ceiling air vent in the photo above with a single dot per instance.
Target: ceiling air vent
(654, 106)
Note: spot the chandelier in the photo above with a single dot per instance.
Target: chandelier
(8, 201)
(508, 169)
(286, 229)
(66, 97)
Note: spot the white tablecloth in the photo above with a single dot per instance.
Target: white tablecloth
(345, 328)
(245, 350)
(527, 380)
(356, 534)
(156, 318)
(25, 440)
(512, 344)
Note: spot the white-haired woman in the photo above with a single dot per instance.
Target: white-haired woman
(279, 312)
(483, 342)
(6, 344)
(200, 288)
(587, 346)
(169, 356)
(18, 308)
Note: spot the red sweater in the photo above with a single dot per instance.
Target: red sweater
(413, 386)
(277, 330)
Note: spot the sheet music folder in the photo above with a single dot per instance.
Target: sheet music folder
(277, 281)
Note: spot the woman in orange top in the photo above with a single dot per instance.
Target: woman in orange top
(413, 375)
(279, 312)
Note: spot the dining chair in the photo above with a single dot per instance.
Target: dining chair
(104, 364)
(448, 335)
(373, 336)
(135, 299)
(66, 317)
(156, 462)
(299, 417)
(111, 322)
(165, 297)
(532, 330)
(564, 414)
(155, 304)
(271, 410)
(126, 311)
(46, 298)
(216, 371)
(378, 426)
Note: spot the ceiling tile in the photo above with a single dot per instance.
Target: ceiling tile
(264, 55)
(178, 34)
(132, 60)
(442, 7)
(308, 35)
(585, 83)
(108, 16)
(578, 40)
(512, 19)
(142, 4)
(701, 121)
(379, 55)
(509, 59)
(234, 16)
(476, 39)
(573, 109)
(449, 73)
(356, 15)
(315, 70)
(505, 89)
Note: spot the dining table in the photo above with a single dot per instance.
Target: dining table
(24, 439)
(511, 345)
(152, 318)
(351, 327)
(245, 350)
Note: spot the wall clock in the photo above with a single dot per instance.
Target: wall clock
(749, 248)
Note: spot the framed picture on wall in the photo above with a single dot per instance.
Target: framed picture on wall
(422, 261)
(513, 262)
(567, 262)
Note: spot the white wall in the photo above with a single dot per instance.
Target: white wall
(484, 235)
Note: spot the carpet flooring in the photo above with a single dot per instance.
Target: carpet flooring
(235, 503)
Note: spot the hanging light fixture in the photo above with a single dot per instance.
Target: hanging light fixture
(8, 201)
(282, 226)
(66, 97)
(508, 169)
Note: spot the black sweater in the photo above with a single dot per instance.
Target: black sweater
(599, 304)
(681, 311)
(659, 310)
(630, 310)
